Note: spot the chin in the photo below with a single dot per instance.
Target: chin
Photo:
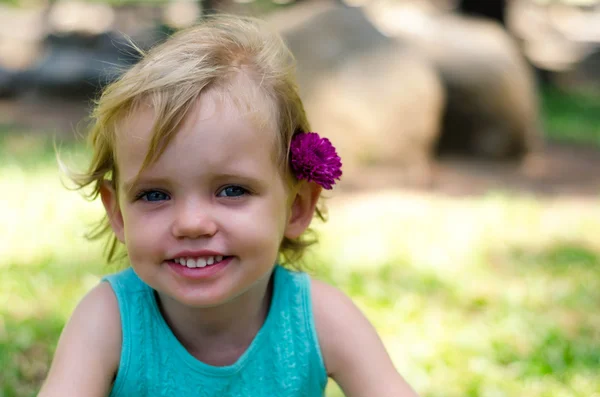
(201, 298)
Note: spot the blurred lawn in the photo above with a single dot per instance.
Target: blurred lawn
(491, 296)
(572, 118)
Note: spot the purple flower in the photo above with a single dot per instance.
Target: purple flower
(314, 158)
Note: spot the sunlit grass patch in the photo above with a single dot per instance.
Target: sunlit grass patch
(41, 219)
(504, 303)
(46, 262)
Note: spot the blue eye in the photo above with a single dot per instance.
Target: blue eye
(232, 191)
(153, 195)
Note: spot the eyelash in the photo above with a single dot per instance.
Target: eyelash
(244, 191)
(143, 195)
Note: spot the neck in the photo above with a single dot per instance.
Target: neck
(219, 335)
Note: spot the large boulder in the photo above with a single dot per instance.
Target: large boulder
(561, 39)
(8, 86)
(492, 103)
(379, 102)
(71, 48)
(77, 65)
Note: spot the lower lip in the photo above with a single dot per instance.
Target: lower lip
(199, 272)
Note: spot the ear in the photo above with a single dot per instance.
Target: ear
(113, 211)
(303, 208)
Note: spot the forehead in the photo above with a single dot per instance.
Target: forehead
(225, 122)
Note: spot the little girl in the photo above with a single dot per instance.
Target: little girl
(210, 176)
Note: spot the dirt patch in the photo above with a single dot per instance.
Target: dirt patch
(36, 114)
(563, 170)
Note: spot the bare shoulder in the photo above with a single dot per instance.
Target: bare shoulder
(332, 308)
(354, 355)
(89, 348)
(334, 314)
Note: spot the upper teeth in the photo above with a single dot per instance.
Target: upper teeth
(198, 262)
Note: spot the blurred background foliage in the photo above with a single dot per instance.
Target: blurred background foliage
(486, 292)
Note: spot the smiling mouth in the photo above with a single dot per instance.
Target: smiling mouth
(195, 262)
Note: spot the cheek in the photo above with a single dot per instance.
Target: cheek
(262, 227)
(143, 233)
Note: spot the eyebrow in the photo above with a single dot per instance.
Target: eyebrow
(246, 179)
(130, 185)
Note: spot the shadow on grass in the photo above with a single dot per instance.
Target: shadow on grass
(573, 268)
(26, 349)
(560, 257)
(571, 117)
(38, 299)
(565, 331)
(563, 364)
(558, 354)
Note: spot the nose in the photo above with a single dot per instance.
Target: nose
(193, 220)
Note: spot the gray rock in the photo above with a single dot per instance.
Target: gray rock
(379, 102)
(491, 108)
(76, 65)
(8, 83)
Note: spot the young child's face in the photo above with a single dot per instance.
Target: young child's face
(215, 192)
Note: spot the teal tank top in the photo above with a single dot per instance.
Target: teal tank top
(284, 359)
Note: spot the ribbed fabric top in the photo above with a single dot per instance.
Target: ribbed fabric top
(284, 359)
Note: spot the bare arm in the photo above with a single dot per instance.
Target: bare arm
(89, 349)
(354, 355)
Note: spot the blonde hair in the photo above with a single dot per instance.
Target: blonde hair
(171, 76)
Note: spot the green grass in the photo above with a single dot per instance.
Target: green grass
(496, 295)
(491, 296)
(572, 117)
